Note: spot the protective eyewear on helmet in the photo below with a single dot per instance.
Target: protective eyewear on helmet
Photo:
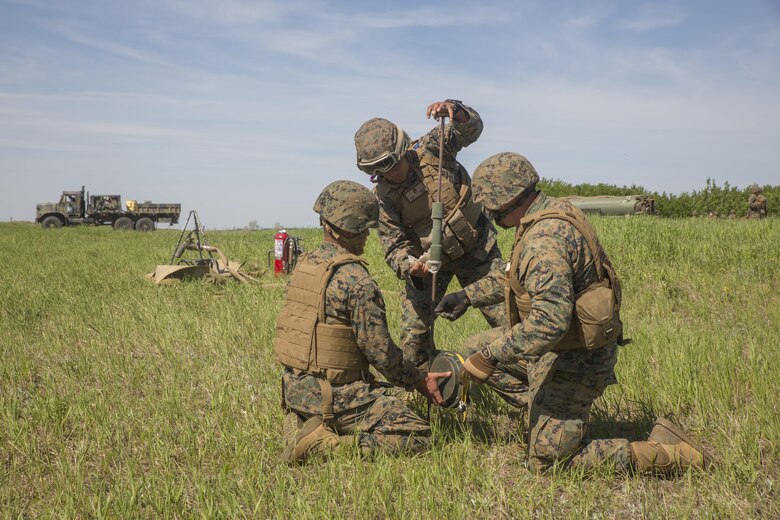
(385, 162)
(382, 164)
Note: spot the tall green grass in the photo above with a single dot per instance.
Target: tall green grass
(122, 399)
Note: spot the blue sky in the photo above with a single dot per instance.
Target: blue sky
(245, 110)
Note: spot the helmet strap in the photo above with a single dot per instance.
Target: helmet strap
(399, 142)
(353, 244)
(330, 229)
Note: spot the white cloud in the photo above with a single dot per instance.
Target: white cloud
(589, 17)
(650, 17)
(233, 12)
(416, 17)
(107, 45)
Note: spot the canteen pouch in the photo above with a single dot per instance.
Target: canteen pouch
(462, 228)
(597, 319)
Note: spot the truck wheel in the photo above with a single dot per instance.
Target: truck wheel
(144, 224)
(123, 224)
(51, 223)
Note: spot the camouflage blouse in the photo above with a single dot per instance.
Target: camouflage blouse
(559, 265)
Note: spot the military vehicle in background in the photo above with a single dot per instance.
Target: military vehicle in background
(79, 207)
(611, 205)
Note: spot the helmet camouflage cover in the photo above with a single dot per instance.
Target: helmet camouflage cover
(501, 178)
(755, 188)
(379, 137)
(348, 206)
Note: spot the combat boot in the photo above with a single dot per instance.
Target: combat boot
(314, 439)
(291, 425)
(667, 450)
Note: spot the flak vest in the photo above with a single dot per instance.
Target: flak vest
(596, 318)
(461, 213)
(304, 342)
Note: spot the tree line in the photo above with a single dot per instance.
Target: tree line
(723, 200)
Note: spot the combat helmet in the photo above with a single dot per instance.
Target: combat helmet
(500, 179)
(755, 189)
(380, 144)
(349, 206)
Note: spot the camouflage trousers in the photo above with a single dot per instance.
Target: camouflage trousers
(385, 425)
(558, 407)
(557, 424)
(417, 307)
(508, 381)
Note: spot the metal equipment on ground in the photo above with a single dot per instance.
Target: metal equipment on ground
(204, 260)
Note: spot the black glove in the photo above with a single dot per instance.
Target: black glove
(453, 306)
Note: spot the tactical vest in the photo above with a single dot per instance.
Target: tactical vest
(596, 318)
(306, 343)
(461, 213)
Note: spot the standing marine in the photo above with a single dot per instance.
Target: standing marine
(331, 331)
(407, 183)
(562, 300)
(757, 205)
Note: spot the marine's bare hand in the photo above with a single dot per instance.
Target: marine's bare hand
(441, 109)
(430, 387)
(419, 269)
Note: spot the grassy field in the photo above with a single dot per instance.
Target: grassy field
(122, 399)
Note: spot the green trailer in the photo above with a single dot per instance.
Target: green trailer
(610, 205)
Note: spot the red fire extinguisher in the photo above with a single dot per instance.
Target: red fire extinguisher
(281, 252)
(287, 249)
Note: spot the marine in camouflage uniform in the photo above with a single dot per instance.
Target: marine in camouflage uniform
(557, 262)
(332, 400)
(757, 203)
(406, 177)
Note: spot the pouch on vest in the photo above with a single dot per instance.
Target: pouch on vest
(451, 246)
(596, 317)
(462, 228)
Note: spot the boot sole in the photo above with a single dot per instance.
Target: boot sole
(677, 432)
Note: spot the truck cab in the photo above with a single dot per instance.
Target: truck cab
(70, 210)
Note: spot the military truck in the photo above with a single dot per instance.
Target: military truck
(79, 207)
(615, 205)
